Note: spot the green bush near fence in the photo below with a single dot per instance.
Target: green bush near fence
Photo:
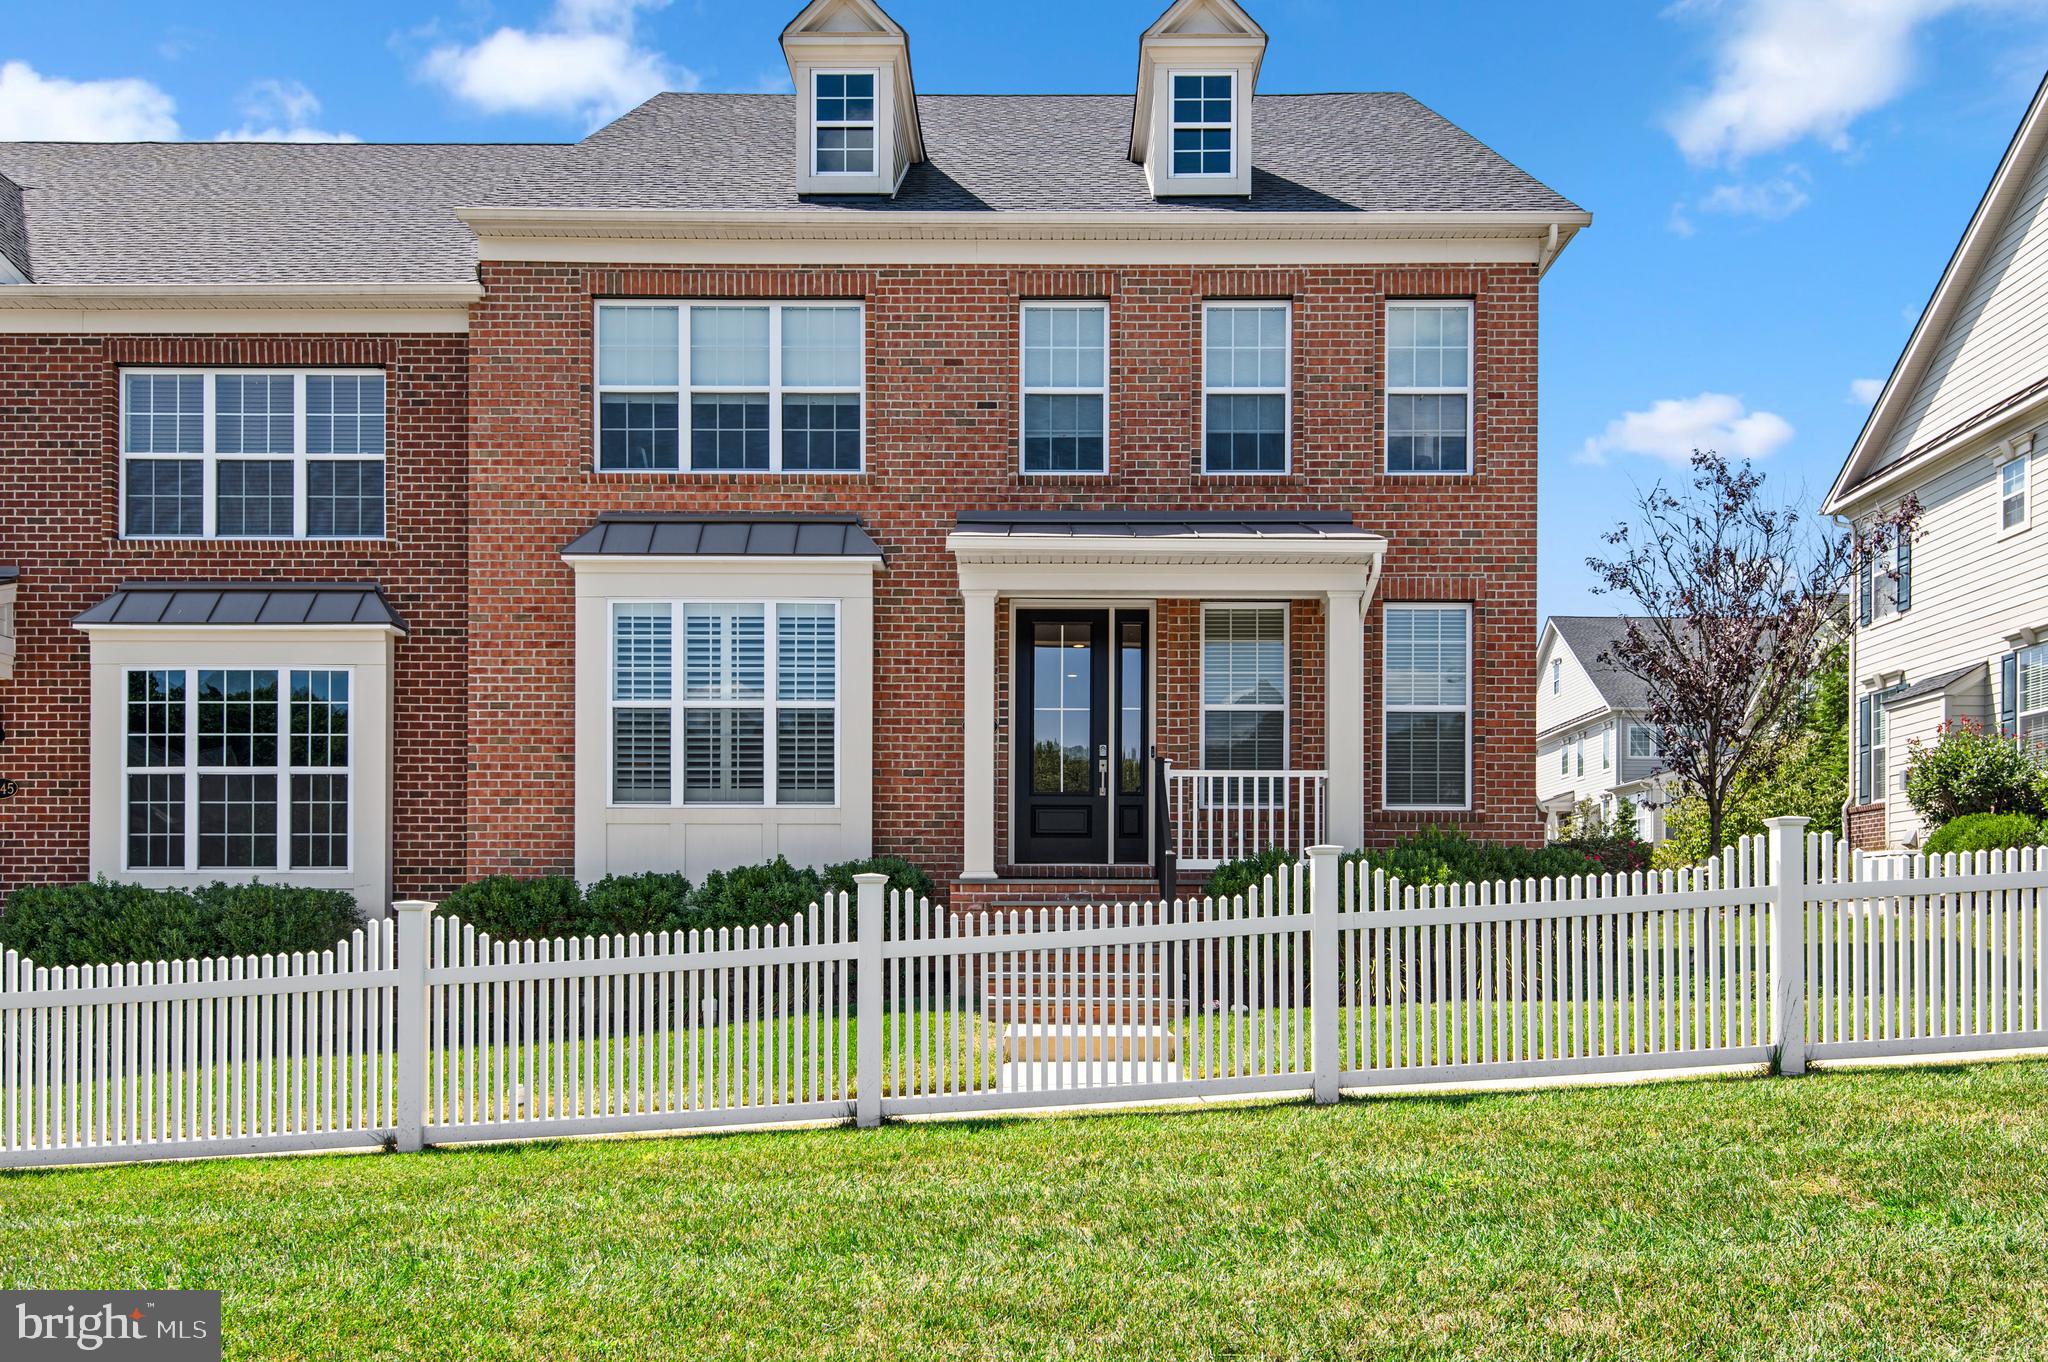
(1447, 856)
(1986, 832)
(105, 923)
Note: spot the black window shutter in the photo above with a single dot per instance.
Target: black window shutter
(1863, 750)
(1864, 581)
(1905, 571)
(2009, 695)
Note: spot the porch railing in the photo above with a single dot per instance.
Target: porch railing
(1218, 816)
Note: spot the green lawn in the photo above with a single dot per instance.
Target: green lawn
(1870, 1214)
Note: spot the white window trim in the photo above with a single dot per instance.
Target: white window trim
(1556, 675)
(1024, 390)
(210, 457)
(684, 390)
(1387, 707)
(1174, 125)
(677, 704)
(2020, 713)
(1286, 705)
(873, 124)
(2026, 497)
(191, 770)
(1469, 392)
(1286, 391)
(1649, 739)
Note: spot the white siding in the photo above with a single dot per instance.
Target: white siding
(1994, 344)
(1577, 697)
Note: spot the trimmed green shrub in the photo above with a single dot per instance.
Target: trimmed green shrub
(1447, 856)
(902, 876)
(106, 923)
(513, 908)
(754, 895)
(627, 904)
(1986, 832)
(1968, 769)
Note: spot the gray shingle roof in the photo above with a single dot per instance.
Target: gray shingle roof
(266, 604)
(1929, 685)
(1589, 637)
(758, 536)
(201, 213)
(1149, 524)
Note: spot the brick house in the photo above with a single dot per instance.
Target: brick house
(1019, 484)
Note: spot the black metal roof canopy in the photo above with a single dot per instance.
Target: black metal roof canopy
(1163, 524)
(629, 535)
(281, 605)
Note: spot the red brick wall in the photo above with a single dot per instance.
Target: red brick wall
(1866, 827)
(59, 523)
(942, 384)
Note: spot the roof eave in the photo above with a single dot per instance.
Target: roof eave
(251, 296)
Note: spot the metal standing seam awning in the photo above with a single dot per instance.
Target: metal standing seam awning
(634, 535)
(215, 605)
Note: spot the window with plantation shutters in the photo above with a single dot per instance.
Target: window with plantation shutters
(725, 703)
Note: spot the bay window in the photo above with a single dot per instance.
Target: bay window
(739, 699)
(236, 769)
(767, 387)
(1428, 707)
(252, 454)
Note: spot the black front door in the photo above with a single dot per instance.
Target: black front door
(1063, 758)
(1083, 686)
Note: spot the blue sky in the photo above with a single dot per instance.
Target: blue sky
(1776, 184)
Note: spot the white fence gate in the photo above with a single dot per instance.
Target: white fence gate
(1785, 949)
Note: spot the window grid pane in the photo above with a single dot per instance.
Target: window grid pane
(238, 718)
(345, 499)
(166, 414)
(806, 653)
(238, 821)
(805, 746)
(638, 432)
(345, 413)
(640, 756)
(319, 718)
(252, 414)
(643, 652)
(319, 821)
(723, 756)
(729, 432)
(1429, 387)
(253, 497)
(166, 496)
(821, 434)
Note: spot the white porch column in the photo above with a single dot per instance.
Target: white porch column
(1344, 715)
(978, 736)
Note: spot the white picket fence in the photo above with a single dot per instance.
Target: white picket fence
(1785, 949)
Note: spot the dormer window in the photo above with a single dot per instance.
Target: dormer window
(1203, 108)
(844, 102)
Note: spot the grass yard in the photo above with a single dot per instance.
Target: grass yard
(1873, 1214)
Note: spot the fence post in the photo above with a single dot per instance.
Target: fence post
(867, 982)
(1788, 944)
(1325, 874)
(410, 1133)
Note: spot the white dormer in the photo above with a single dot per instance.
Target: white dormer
(857, 130)
(1191, 129)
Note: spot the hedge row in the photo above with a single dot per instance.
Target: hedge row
(512, 908)
(1447, 856)
(105, 923)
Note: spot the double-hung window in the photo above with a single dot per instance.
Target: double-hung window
(1245, 387)
(767, 387)
(227, 769)
(1885, 585)
(1606, 749)
(2028, 687)
(738, 699)
(1065, 422)
(1203, 116)
(2012, 493)
(1643, 742)
(843, 103)
(1428, 719)
(1244, 688)
(1429, 387)
(272, 454)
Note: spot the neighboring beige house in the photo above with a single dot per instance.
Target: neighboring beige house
(1954, 624)
(1591, 741)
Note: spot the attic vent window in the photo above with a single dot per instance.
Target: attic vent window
(845, 122)
(1202, 122)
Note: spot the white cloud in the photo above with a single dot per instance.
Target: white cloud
(1864, 391)
(1673, 428)
(1778, 197)
(584, 61)
(36, 108)
(281, 111)
(1794, 69)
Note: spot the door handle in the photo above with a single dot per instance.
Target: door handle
(1101, 770)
